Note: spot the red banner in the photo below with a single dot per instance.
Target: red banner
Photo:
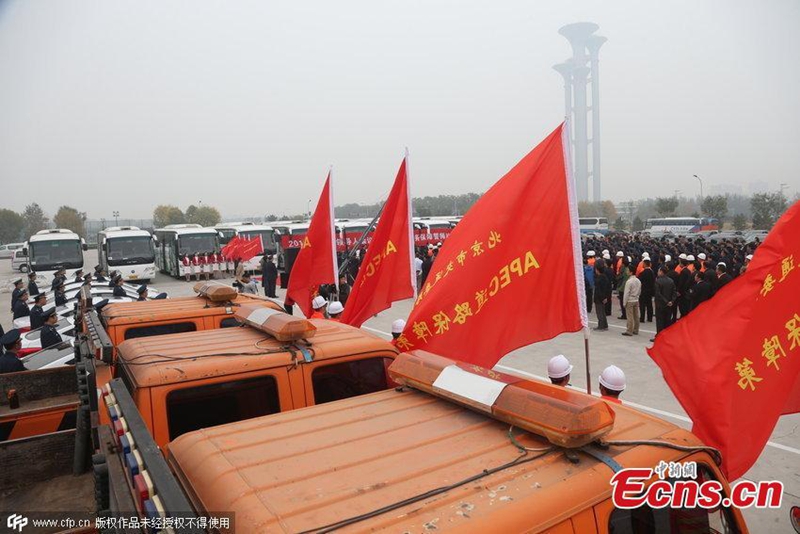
(734, 361)
(316, 262)
(387, 272)
(229, 249)
(250, 248)
(510, 272)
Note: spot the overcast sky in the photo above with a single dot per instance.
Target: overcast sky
(108, 105)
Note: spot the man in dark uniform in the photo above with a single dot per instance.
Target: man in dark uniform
(33, 289)
(61, 297)
(79, 275)
(344, 289)
(648, 280)
(50, 335)
(21, 308)
(722, 275)
(98, 274)
(142, 291)
(37, 312)
(112, 276)
(666, 294)
(270, 276)
(701, 290)
(9, 363)
(58, 278)
(119, 291)
(16, 293)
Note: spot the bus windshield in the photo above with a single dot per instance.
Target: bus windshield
(267, 237)
(60, 253)
(194, 243)
(227, 235)
(129, 250)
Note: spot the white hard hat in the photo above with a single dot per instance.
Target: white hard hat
(558, 367)
(430, 245)
(620, 254)
(398, 326)
(722, 263)
(645, 255)
(667, 257)
(629, 259)
(613, 378)
(606, 256)
(335, 307)
(682, 256)
(439, 244)
(690, 257)
(749, 257)
(318, 302)
(590, 253)
(605, 251)
(701, 256)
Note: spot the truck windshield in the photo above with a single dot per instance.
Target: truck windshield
(51, 255)
(267, 238)
(129, 250)
(194, 243)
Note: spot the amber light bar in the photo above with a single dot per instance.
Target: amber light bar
(565, 418)
(215, 291)
(279, 325)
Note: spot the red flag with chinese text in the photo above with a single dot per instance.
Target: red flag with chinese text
(510, 273)
(250, 248)
(387, 272)
(316, 263)
(734, 362)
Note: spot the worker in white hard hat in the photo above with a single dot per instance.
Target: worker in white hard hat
(397, 328)
(558, 370)
(612, 383)
(335, 310)
(318, 304)
(590, 258)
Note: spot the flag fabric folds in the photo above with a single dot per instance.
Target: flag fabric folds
(387, 272)
(510, 273)
(316, 263)
(734, 362)
(250, 248)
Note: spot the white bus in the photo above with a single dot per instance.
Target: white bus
(177, 240)
(681, 225)
(597, 225)
(129, 250)
(249, 230)
(50, 250)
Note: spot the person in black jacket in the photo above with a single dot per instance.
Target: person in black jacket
(665, 296)
(21, 308)
(61, 296)
(701, 290)
(50, 335)
(58, 278)
(9, 362)
(33, 289)
(18, 286)
(648, 280)
(722, 275)
(602, 294)
(269, 276)
(37, 312)
(119, 291)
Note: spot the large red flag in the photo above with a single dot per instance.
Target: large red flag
(250, 248)
(732, 363)
(228, 250)
(387, 273)
(316, 262)
(510, 273)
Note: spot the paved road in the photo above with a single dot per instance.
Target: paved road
(646, 387)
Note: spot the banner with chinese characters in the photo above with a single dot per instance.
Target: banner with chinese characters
(733, 363)
(316, 263)
(510, 272)
(387, 272)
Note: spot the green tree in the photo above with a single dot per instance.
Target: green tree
(766, 208)
(739, 221)
(620, 224)
(35, 219)
(715, 206)
(71, 219)
(666, 206)
(638, 224)
(203, 215)
(165, 214)
(271, 218)
(11, 226)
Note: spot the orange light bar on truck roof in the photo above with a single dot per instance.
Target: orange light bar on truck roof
(215, 291)
(279, 325)
(566, 418)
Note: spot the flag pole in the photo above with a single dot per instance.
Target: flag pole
(586, 352)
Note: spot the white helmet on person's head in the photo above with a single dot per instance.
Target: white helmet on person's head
(335, 308)
(558, 367)
(682, 256)
(690, 258)
(590, 254)
(701, 256)
(620, 254)
(398, 325)
(318, 302)
(613, 378)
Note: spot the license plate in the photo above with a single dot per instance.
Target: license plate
(134, 277)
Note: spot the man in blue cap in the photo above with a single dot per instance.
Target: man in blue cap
(9, 363)
(33, 289)
(142, 291)
(16, 293)
(58, 278)
(21, 308)
(61, 296)
(37, 312)
(119, 291)
(99, 273)
(50, 335)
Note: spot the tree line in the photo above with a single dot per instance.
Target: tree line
(18, 226)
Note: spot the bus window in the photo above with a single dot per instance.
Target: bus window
(159, 330)
(348, 379)
(190, 409)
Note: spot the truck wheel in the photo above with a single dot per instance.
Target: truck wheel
(23, 268)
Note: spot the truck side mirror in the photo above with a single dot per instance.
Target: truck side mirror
(25, 250)
(84, 246)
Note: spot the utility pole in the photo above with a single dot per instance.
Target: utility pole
(116, 218)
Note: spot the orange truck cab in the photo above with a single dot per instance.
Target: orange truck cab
(273, 363)
(436, 455)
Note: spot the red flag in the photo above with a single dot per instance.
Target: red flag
(387, 273)
(250, 248)
(732, 363)
(230, 248)
(316, 262)
(510, 273)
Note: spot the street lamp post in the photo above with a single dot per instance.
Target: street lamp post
(309, 208)
(116, 218)
(701, 186)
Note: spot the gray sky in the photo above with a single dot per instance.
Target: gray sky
(244, 105)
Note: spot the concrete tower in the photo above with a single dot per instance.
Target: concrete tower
(577, 72)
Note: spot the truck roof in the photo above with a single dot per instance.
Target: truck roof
(174, 358)
(309, 468)
(176, 308)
